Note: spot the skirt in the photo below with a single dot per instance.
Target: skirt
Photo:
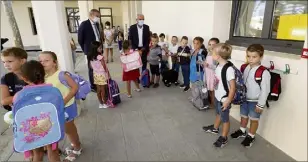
(131, 75)
(100, 79)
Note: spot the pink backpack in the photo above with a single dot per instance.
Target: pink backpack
(131, 61)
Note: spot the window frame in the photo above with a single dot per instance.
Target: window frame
(32, 21)
(286, 46)
(76, 18)
(111, 17)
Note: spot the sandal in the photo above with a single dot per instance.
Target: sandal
(73, 155)
(137, 90)
(129, 96)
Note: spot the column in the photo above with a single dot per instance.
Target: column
(83, 10)
(52, 31)
(133, 13)
(125, 17)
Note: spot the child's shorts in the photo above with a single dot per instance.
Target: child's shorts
(71, 111)
(224, 115)
(154, 70)
(248, 109)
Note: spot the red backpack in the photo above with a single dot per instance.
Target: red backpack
(275, 82)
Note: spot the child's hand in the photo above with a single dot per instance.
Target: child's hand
(205, 64)
(258, 110)
(225, 105)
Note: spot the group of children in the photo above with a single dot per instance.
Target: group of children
(206, 65)
(196, 64)
(45, 71)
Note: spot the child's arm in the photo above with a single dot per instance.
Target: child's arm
(265, 90)
(231, 79)
(6, 98)
(73, 90)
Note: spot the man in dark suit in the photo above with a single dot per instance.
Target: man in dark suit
(139, 36)
(88, 32)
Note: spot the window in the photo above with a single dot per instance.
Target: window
(73, 19)
(278, 25)
(32, 21)
(106, 15)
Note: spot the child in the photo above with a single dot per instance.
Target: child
(132, 75)
(164, 47)
(33, 73)
(183, 54)
(221, 53)
(209, 68)
(12, 58)
(154, 58)
(100, 72)
(120, 40)
(108, 34)
(256, 95)
(50, 63)
(196, 69)
(172, 51)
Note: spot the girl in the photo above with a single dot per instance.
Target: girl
(130, 75)
(100, 72)
(50, 63)
(209, 68)
(120, 40)
(33, 73)
(108, 41)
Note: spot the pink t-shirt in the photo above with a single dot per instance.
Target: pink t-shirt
(97, 66)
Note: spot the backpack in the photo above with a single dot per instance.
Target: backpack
(39, 118)
(131, 61)
(240, 92)
(275, 82)
(113, 92)
(84, 87)
(145, 78)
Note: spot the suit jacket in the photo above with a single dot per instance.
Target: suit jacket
(133, 36)
(86, 35)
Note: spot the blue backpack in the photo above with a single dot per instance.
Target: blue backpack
(39, 118)
(145, 78)
(240, 92)
(84, 87)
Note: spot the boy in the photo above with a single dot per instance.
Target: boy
(12, 58)
(154, 58)
(172, 50)
(184, 54)
(256, 95)
(221, 53)
(164, 47)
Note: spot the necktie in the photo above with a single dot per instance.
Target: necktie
(97, 32)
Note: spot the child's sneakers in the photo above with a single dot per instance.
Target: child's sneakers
(186, 88)
(103, 106)
(182, 86)
(221, 142)
(155, 85)
(248, 141)
(238, 134)
(210, 129)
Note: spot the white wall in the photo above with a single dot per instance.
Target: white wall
(285, 123)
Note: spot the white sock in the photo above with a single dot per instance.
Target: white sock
(253, 136)
(243, 129)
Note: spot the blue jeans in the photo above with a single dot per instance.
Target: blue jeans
(176, 67)
(248, 109)
(224, 115)
(185, 72)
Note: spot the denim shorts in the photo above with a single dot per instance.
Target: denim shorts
(71, 112)
(248, 110)
(224, 115)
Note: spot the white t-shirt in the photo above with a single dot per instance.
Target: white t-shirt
(173, 49)
(162, 44)
(219, 89)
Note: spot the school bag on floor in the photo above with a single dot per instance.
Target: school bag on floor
(39, 118)
(113, 93)
(84, 87)
(240, 92)
(169, 77)
(275, 82)
(200, 94)
(145, 78)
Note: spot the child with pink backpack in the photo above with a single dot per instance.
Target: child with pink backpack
(128, 74)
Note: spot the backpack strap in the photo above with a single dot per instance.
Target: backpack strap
(9, 78)
(258, 77)
(62, 78)
(243, 67)
(224, 77)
